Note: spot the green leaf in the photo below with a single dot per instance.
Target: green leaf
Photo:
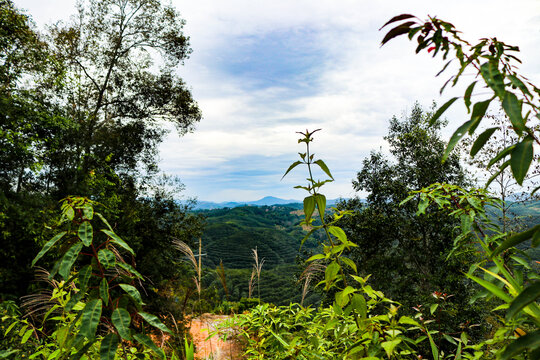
(104, 291)
(293, 165)
(154, 321)
(519, 84)
(121, 319)
(521, 158)
(69, 259)
(467, 96)
(527, 296)
(493, 77)
(441, 110)
(320, 200)
(104, 221)
(82, 351)
(117, 240)
(90, 318)
(85, 233)
(528, 342)
(516, 239)
(478, 113)
(389, 346)
(27, 335)
(481, 140)
(107, 258)
(330, 273)
(349, 263)
(309, 207)
(358, 303)
(88, 212)
(338, 233)
(502, 154)
(47, 246)
(130, 269)
(397, 18)
(491, 288)
(512, 108)
(324, 168)
(316, 257)
(458, 134)
(109, 344)
(132, 292)
(69, 213)
(146, 341)
(84, 276)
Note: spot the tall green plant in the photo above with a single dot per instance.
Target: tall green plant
(494, 64)
(98, 286)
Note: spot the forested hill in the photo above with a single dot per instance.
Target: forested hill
(232, 233)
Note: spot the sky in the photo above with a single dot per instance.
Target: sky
(263, 70)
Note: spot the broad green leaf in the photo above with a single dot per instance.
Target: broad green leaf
(493, 77)
(458, 134)
(154, 321)
(434, 349)
(121, 320)
(338, 233)
(536, 239)
(342, 297)
(133, 293)
(478, 113)
(104, 221)
(349, 263)
(316, 257)
(47, 246)
(324, 168)
(104, 291)
(74, 300)
(69, 259)
(467, 96)
(501, 155)
(88, 211)
(512, 108)
(82, 351)
(84, 276)
(320, 200)
(293, 165)
(389, 346)
(527, 296)
(117, 240)
(358, 303)
(481, 140)
(146, 341)
(86, 233)
(330, 273)
(109, 344)
(27, 335)
(69, 213)
(90, 318)
(527, 342)
(408, 321)
(309, 207)
(5, 354)
(520, 159)
(106, 258)
(441, 110)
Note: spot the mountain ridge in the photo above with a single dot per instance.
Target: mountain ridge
(265, 201)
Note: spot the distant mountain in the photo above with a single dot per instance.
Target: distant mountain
(265, 201)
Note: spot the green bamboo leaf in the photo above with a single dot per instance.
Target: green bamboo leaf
(293, 165)
(527, 296)
(104, 291)
(324, 168)
(154, 321)
(121, 320)
(528, 342)
(69, 259)
(309, 207)
(109, 344)
(132, 292)
(117, 240)
(86, 233)
(47, 246)
(481, 140)
(512, 108)
(521, 158)
(107, 258)
(90, 318)
(467, 96)
(441, 110)
(458, 134)
(490, 287)
(320, 199)
(146, 341)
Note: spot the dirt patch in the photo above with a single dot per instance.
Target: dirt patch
(214, 348)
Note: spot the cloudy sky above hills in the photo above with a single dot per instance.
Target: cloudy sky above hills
(262, 70)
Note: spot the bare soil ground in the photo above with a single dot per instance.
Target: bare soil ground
(214, 348)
